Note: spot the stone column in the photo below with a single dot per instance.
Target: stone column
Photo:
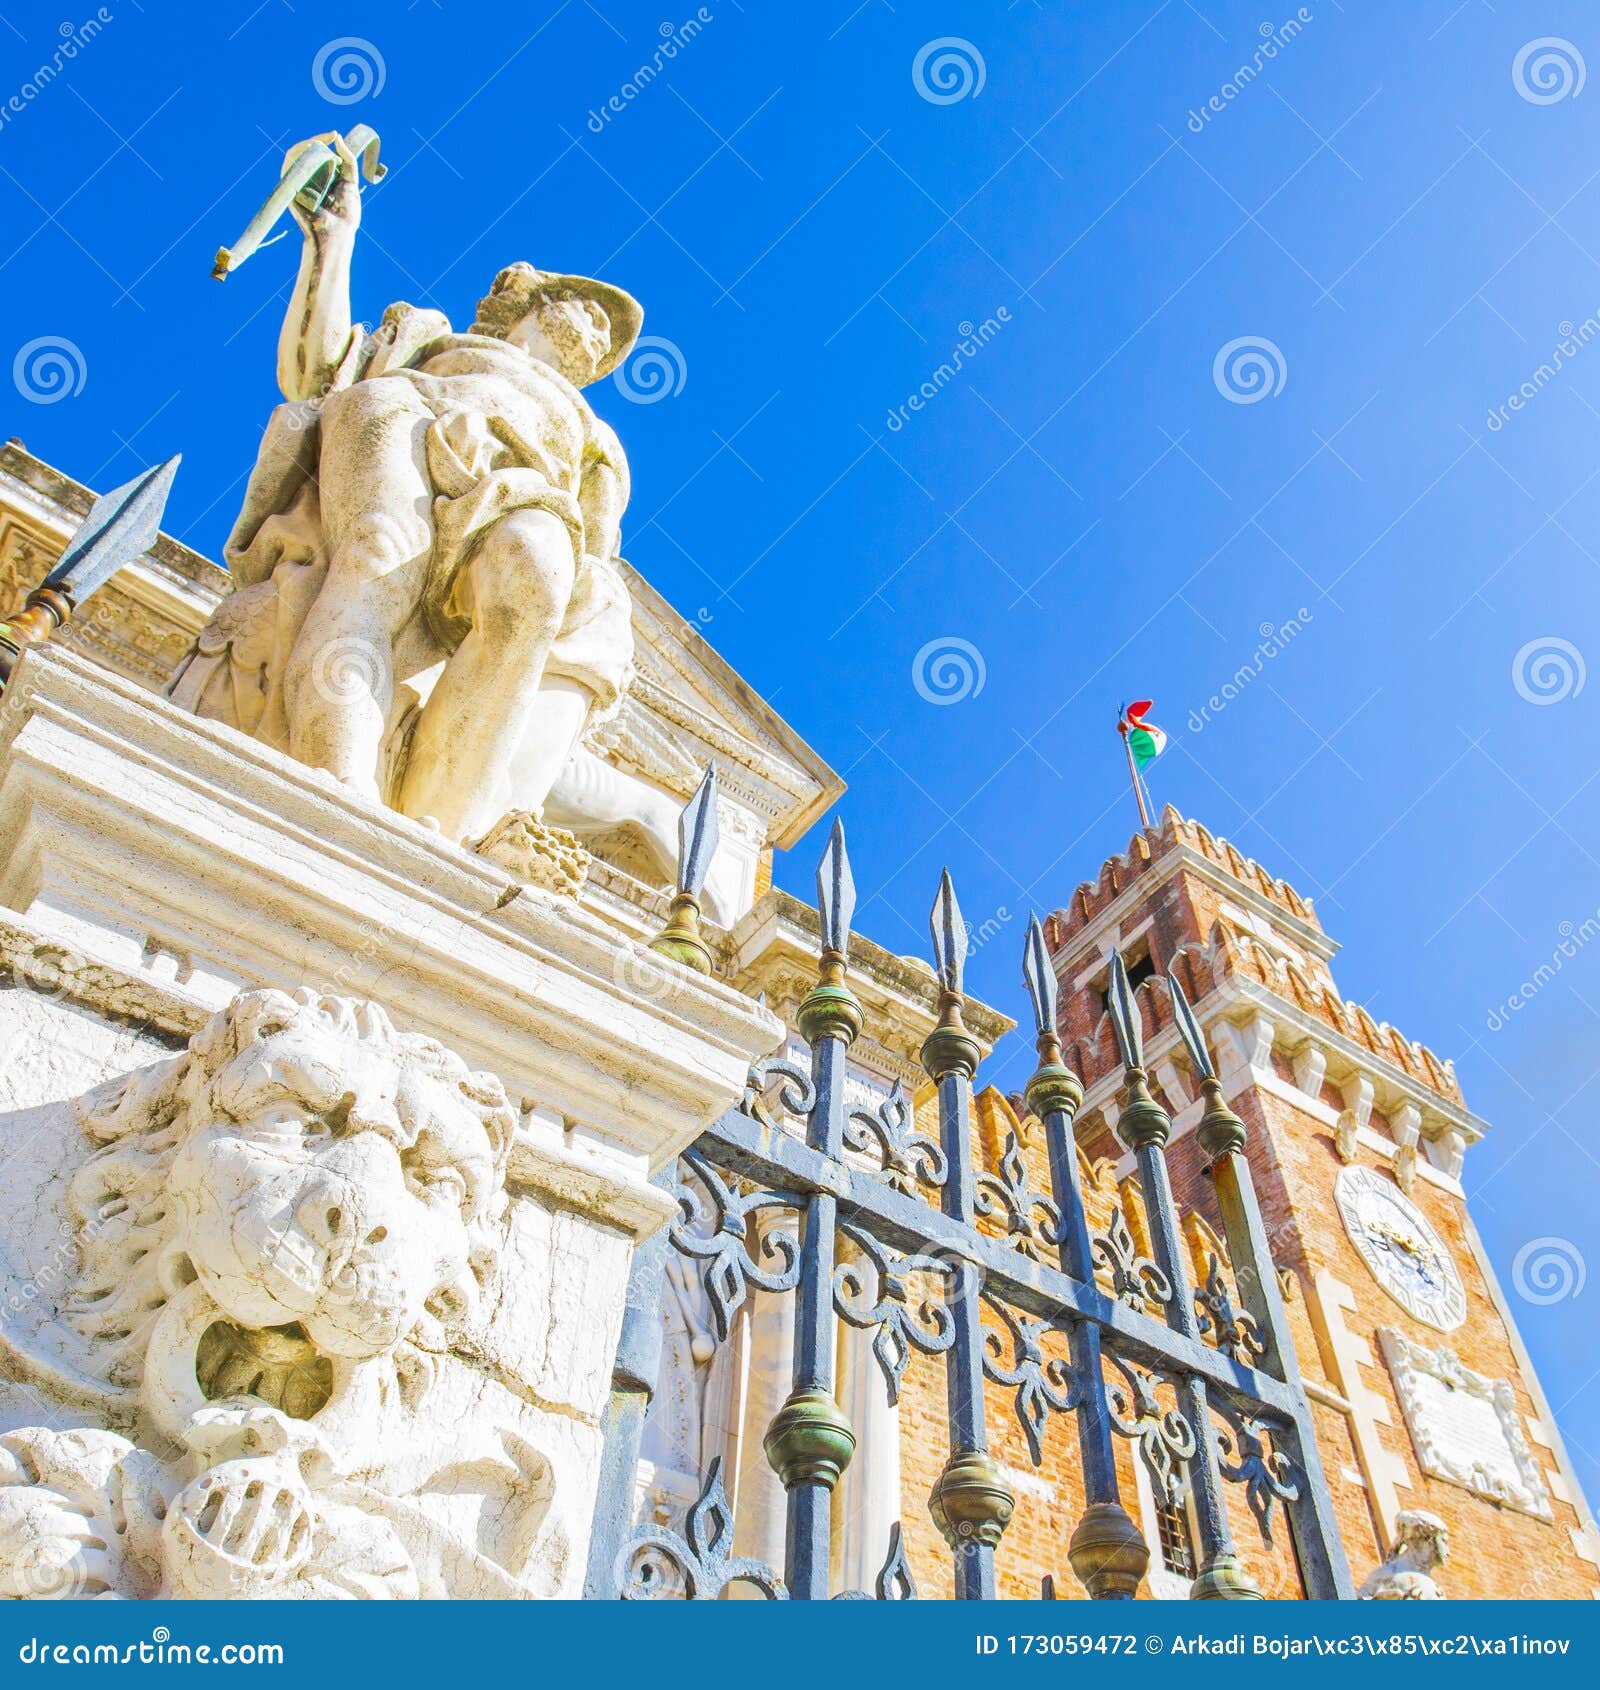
(866, 1502)
(760, 1504)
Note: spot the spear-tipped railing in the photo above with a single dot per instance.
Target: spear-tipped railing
(698, 838)
(909, 1210)
(1107, 1553)
(1221, 1135)
(1145, 1129)
(120, 526)
(810, 1441)
(971, 1502)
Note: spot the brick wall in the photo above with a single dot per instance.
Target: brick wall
(1335, 1306)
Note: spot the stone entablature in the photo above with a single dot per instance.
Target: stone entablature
(685, 708)
(1250, 1027)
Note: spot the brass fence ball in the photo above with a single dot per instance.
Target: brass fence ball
(810, 1440)
(970, 1502)
(1107, 1552)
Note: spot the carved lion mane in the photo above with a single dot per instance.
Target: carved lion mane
(210, 1162)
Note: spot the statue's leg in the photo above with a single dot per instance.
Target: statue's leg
(491, 706)
(376, 503)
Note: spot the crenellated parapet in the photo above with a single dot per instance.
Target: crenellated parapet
(1172, 832)
(1254, 960)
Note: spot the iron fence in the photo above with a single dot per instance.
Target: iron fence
(1202, 1381)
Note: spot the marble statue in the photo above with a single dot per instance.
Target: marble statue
(283, 1237)
(428, 604)
(1421, 1546)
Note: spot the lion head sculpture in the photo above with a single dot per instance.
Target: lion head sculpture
(330, 1184)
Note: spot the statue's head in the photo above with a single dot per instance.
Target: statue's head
(311, 1166)
(579, 326)
(1423, 1539)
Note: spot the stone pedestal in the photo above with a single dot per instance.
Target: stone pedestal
(326, 1147)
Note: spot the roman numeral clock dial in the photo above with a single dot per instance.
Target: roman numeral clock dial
(1401, 1249)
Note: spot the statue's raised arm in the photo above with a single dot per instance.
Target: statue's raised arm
(315, 339)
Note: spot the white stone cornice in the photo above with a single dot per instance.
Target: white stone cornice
(258, 871)
(1230, 1014)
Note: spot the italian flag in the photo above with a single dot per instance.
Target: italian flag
(1145, 740)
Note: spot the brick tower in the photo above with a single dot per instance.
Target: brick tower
(1423, 1393)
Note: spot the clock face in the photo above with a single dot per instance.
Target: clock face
(1406, 1256)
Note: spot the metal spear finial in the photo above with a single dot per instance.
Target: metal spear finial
(829, 1010)
(1219, 1131)
(1125, 1015)
(1194, 1041)
(836, 891)
(1040, 979)
(697, 845)
(949, 1048)
(1054, 1088)
(949, 936)
(121, 525)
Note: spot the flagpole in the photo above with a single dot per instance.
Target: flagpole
(1133, 772)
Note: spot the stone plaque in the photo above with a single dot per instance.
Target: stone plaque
(1464, 1426)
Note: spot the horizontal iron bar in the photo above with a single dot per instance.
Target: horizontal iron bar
(776, 1159)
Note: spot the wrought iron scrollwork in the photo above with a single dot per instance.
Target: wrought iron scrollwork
(1008, 1193)
(796, 1094)
(1135, 1279)
(906, 1156)
(887, 1304)
(1236, 1333)
(1164, 1436)
(1043, 1383)
(715, 1231)
(894, 1582)
(1267, 1474)
(660, 1564)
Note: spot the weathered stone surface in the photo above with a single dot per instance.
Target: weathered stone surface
(298, 1297)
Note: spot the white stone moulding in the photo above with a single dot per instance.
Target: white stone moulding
(129, 828)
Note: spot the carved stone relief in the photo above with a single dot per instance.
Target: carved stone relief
(1463, 1425)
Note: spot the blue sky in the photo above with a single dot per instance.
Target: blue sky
(1384, 215)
